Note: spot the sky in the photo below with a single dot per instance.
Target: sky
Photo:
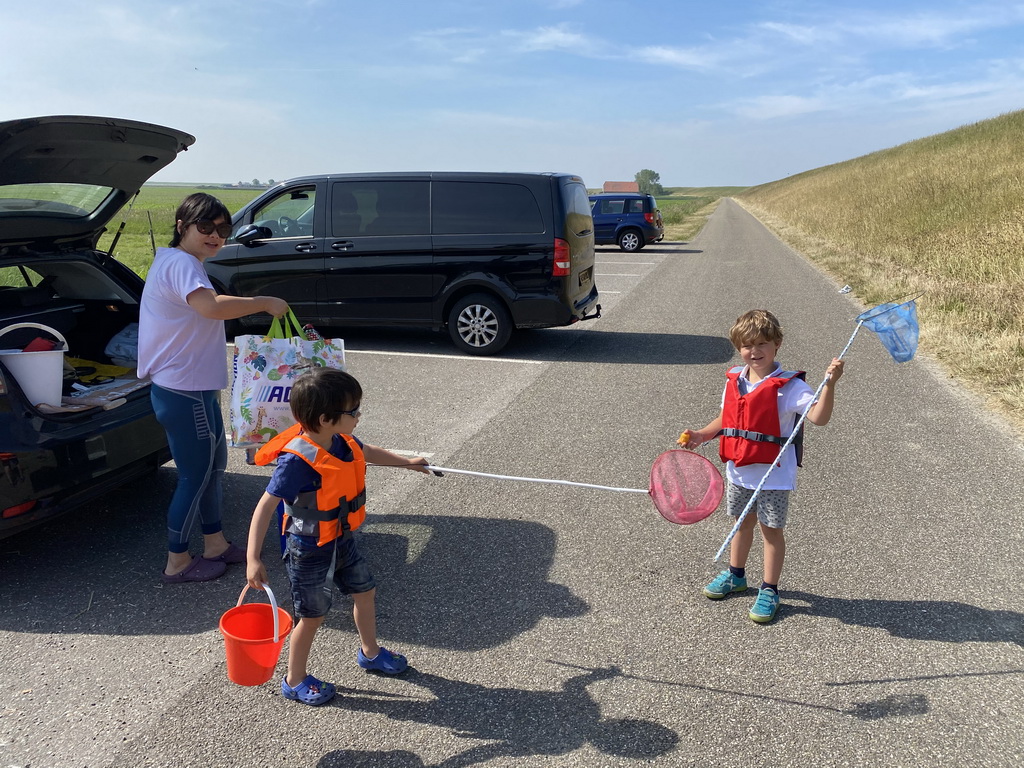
(730, 93)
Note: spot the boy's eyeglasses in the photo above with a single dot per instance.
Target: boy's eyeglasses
(207, 227)
(355, 413)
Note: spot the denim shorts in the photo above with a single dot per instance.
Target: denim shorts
(312, 570)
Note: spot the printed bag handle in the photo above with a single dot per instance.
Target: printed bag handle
(285, 327)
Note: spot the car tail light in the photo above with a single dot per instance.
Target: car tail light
(18, 509)
(563, 258)
(649, 218)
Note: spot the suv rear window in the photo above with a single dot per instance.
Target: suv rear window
(479, 208)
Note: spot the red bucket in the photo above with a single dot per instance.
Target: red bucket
(253, 637)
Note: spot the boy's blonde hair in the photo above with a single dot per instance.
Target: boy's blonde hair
(753, 325)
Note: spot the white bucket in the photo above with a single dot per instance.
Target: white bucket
(40, 374)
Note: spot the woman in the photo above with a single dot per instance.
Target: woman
(182, 350)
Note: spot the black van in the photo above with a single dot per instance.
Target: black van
(478, 253)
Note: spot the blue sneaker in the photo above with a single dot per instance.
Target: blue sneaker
(765, 606)
(310, 691)
(387, 662)
(723, 584)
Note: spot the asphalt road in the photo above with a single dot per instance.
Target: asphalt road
(558, 626)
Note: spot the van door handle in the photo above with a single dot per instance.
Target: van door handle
(341, 245)
(305, 247)
(584, 233)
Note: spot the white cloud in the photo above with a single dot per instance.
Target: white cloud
(557, 38)
(770, 107)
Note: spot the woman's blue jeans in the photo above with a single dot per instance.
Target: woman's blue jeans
(195, 433)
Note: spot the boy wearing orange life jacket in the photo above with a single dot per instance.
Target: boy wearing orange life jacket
(321, 478)
(760, 406)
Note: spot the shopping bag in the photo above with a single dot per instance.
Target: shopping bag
(263, 371)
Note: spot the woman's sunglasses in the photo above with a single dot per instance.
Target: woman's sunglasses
(206, 227)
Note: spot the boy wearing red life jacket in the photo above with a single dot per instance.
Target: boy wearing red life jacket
(760, 406)
(321, 478)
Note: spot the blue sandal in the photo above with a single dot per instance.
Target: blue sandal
(387, 662)
(310, 691)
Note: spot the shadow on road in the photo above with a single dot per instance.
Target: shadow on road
(940, 620)
(461, 583)
(664, 247)
(516, 723)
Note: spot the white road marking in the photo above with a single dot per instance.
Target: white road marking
(411, 454)
(630, 263)
(616, 274)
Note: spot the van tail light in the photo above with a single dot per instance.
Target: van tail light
(649, 218)
(563, 259)
(19, 509)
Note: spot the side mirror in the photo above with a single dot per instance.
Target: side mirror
(248, 234)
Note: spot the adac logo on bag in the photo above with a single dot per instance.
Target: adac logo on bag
(272, 394)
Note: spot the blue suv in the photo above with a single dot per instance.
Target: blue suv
(630, 220)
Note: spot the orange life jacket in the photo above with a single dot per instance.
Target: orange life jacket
(340, 501)
(751, 433)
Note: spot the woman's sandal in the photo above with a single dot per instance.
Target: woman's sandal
(233, 554)
(310, 691)
(200, 569)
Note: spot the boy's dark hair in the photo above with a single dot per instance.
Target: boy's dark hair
(196, 206)
(753, 325)
(323, 392)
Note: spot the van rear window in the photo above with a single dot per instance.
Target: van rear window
(479, 208)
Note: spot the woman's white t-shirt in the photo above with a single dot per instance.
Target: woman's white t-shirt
(178, 347)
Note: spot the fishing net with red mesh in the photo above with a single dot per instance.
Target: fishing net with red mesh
(685, 486)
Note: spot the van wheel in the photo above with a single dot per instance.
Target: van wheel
(479, 324)
(631, 240)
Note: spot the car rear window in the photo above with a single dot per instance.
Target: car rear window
(477, 208)
(577, 208)
(73, 200)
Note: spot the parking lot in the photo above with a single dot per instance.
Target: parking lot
(563, 626)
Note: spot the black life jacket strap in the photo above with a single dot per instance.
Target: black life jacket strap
(746, 434)
(342, 511)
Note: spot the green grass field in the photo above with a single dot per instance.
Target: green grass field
(157, 204)
(943, 215)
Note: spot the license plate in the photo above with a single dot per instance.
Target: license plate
(586, 276)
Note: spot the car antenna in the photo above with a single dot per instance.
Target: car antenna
(120, 229)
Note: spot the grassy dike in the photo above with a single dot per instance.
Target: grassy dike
(943, 215)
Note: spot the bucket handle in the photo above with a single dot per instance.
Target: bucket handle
(41, 327)
(273, 605)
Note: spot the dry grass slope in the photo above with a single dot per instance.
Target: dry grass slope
(942, 215)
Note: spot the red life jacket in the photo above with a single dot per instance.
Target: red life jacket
(751, 433)
(340, 502)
